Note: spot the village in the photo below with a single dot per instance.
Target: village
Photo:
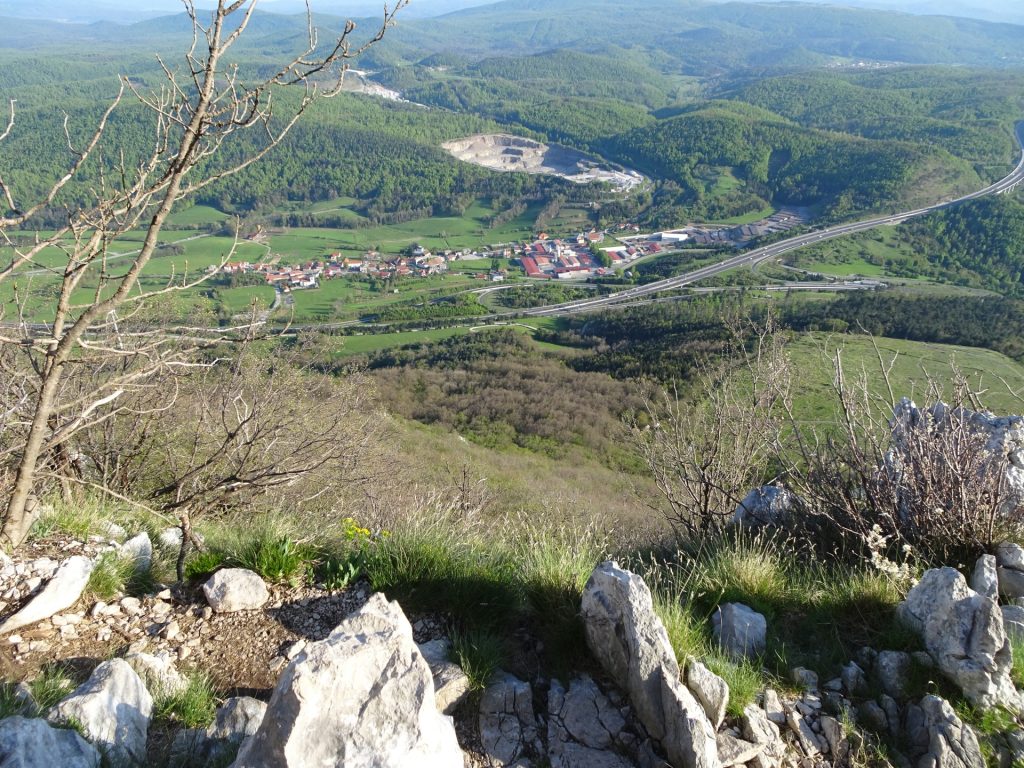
(545, 258)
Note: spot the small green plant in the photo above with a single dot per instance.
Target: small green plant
(479, 653)
(277, 559)
(12, 704)
(1017, 648)
(744, 678)
(51, 685)
(199, 565)
(192, 707)
(110, 576)
(337, 573)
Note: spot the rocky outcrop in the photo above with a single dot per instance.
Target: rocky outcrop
(740, 631)
(508, 727)
(764, 506)
(34, 743)
(113, 708)
(235, 589)
(237, 719)
(60, 593)
(951, 744)
(1001, 438)
(451, 684)
(386, 716)
(711, 691)
(963, 632)
(1010, 570)
(584, 729)
(631, 644)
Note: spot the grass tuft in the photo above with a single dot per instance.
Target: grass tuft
(480, 653)
(278, 559)
(192, 707)
(110, 576)
(200, 565)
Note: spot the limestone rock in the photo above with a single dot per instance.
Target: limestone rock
(1010, 571)
(834, 734)
(963, 632)
(451, 684)
(583, 727)
(113, 708)
(628, 640)
(59, 594)
(951, 744)
(689, 738)
(985, 578)
(235, 589)
(853, 678)
(764, 506)
(807, 679)
(711, 691)
(773, 707)
(757, 728)
(237, 719)
(34, 743)
(138, 549)
(733, 751)
(740, 631)
(892, 669)
(1013, 620)
(508, 728)
(157, 672)
(364, 696)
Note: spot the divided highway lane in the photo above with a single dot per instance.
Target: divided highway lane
(758, 255)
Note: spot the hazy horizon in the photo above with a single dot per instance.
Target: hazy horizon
(128, 11)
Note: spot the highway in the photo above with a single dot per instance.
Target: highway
(750, 258)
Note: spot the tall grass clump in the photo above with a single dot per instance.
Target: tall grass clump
(194, 706)
(111, 576)
(437, 564)
(479, 652)
(268, 546)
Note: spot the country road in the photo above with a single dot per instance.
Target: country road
(630, 295)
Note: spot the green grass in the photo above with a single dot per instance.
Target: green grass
(200, 565)
(915, 363)
(110, 576)
(196, 215)
(277, 558)
(192, 707)
(480, 653)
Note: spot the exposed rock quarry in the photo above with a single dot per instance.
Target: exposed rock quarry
(505, 152)
(386, 717)
(963, 632)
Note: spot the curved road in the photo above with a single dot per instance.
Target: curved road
(776, 249)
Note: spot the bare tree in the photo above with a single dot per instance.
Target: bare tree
(202, 107)
(707, 448)
(931, 483)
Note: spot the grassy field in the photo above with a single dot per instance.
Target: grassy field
(915, 362)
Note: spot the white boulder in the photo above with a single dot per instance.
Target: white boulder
(114, 708)
(34, 743)
(963, 632)
(235, 589)
(362, 697)
(740, 631)
(59, 594)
